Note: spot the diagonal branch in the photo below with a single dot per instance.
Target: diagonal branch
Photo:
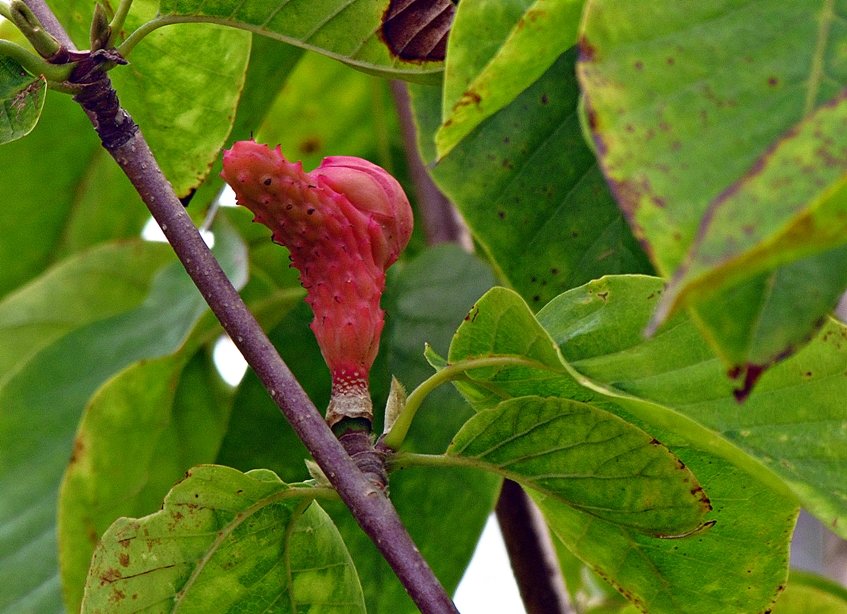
(368, 505)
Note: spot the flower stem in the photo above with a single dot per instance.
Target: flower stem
(397, 434)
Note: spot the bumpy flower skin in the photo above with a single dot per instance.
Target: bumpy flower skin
(344, 224)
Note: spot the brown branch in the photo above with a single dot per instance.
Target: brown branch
(524, 532)
(441, 222)
(367, 503)
(533, 561)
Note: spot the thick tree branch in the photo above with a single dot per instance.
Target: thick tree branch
(524, 532)
(367, 503)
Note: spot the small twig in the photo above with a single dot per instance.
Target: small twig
(50, 23)
(441, 222)
(533, 561)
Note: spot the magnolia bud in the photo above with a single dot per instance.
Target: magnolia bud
(344, 224)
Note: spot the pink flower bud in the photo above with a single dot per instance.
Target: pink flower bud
(344, 224)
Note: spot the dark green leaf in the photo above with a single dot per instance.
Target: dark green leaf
(22, 97)
(531, 191)
(230, 539)
(496, 50)
(358, 119)
(588, 459)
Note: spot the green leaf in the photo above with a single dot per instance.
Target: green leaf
(810, 593)
(502, 324)
(230, 539)
(68, 194)
(587, 458)
(268, 69)
(496, 50)
(756, 197)
(349, 31)
(789, 432)
(537, 203)
(22, 97)
(165, 415)
(42, 401)
(86, 287)
(308, 124)
(737, 240)
(738, 565)
(182, 87)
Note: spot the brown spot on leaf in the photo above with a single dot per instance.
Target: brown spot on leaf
(639, 65)
(123, 559)
(587, 51)
(309, 145)
(109, 576)
(751, 374)
(417, 30)
(773, 81)
(544, 99)
(117, 596)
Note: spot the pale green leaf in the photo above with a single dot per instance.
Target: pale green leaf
(243, 542)
(86, 287)
(43, 399)
(810, 593)
(718, 129)
(68, 194)
(165, 415)
(791, 432)
(738, 565)
(351, 31)
(501, 324)
(496, 50)
(21, 100)
(182, 87)
(588, 459)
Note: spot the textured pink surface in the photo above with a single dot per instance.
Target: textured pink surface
(344, 224)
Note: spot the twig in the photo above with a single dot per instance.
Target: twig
(368, 505)
(526, 536)
(533, 561)
(441, 222)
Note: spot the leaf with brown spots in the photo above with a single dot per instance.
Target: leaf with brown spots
(790, 434)
(725, 151)
(537, 202)
(226, 538)
(496, 50)
(21, 99)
